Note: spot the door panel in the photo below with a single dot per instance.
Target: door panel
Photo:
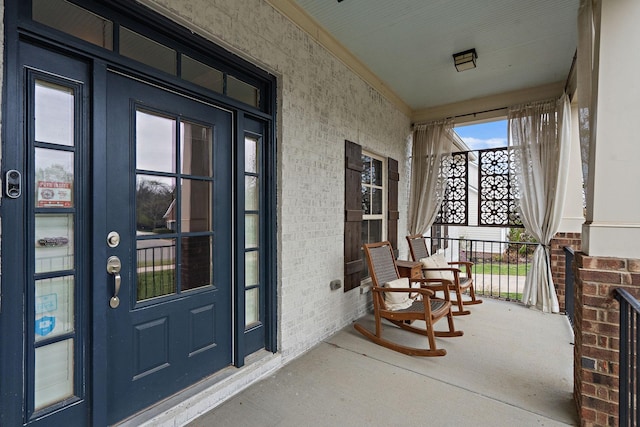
(169, 199)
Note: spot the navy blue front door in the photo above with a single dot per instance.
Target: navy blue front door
(167, 196)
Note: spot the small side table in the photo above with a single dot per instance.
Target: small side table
(410, 269)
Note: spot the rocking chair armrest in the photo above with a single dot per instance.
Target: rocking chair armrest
(467, 266)
(455, 271)
(422, 291)
(437, 284)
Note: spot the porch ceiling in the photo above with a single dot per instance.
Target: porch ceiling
(408, 44)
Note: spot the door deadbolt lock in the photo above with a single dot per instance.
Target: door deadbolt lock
(113, 239)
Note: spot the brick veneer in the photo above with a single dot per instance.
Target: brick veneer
(558, 273)
(597, 321)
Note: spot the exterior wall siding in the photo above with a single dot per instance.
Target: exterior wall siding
(320, 104)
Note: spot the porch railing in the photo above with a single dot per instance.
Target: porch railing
(500, 267)
(629, 377)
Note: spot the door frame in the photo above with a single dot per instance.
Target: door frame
(19, 26)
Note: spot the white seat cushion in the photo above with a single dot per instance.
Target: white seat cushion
(398, 300)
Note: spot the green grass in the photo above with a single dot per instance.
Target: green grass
(511, 295)
(155, 284)
(501, 269)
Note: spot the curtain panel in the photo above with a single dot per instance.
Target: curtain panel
(429, 172)
(539, 137)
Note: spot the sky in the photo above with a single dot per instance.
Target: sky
(484, 135)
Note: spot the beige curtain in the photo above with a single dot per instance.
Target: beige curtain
(429, 171)
(539, 137)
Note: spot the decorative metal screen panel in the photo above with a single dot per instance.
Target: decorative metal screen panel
(496, 205)
(455, 204)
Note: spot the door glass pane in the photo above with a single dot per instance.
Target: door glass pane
(250, 155)
(251, 268)
(54, 307)
(252, 306)
(54, 113)
(196, 206)
(156, 268)
(196, 267)
(202, 75)
(251, 231)
(155, 142)
(53, 373)
(155, 207)
(54, 178)
(147, 51)
(54, 243)
(74, 20)
(197, 145)
(251, 193)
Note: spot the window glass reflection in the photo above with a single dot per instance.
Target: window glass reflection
(54, 113)
(155, 207)
(156, 268)
(196, 206)
(155, 142)
(252, 306)
(54, 178)
(251, 268)
(54, 307)
(197, 147)
(251, 193)
(250, 155)
(53, 379)
(196, 263)
(54, 243)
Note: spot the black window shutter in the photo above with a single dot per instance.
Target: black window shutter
(392, 201)
(352, 215)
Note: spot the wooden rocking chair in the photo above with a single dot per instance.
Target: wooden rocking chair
(436, 268)
(384, 274)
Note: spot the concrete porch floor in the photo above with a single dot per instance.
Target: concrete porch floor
(512, 367)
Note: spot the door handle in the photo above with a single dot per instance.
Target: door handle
(113, 267)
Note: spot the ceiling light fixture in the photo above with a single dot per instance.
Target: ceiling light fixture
(465, 60)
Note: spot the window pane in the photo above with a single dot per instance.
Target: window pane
(196, 267)
(201, 74)
(53, 373)
(366, 200)
(251, 268)
(155, 142)
(366, 170)
(251, 237)
(251, 200)
(376, 172)
(54, 307)
(252, 306)
(196, 206)
(197, 145)
(74, 20)
(54, 178)
(375, 230)
(54, 113)
(156, 268)
(376, 201)
(155, 207)
(147, 51)
(243, 92)
(54, 243)
(251, 155)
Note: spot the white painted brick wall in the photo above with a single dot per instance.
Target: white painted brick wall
(321, 103)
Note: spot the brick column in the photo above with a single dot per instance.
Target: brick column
(558, 262)
(597, 321)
